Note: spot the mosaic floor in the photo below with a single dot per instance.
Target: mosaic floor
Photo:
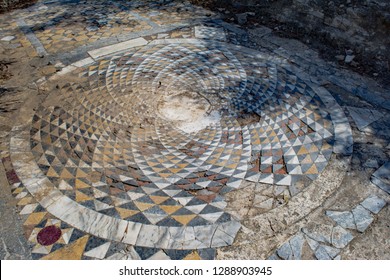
(132, 156)
(119, 162)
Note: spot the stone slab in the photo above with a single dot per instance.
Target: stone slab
(381, 177)
(373, 203)
(117, 47)
(364, 117)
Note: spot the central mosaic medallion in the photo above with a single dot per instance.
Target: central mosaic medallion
(188, 111)
(144, 147)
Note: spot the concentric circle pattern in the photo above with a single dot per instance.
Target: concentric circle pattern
(157, 135)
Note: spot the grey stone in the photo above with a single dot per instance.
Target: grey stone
(364, 117)
(285, 251)
(296, 244)
(8, 38)
(381, 177)
(324, 252)
(331, 251)
(373, 203)
(363, 218)
(211, 33)
(319, 232)
(371, 163)
(92, 28)
(380, 184)
(344, 219)
(273, 257)
(13, 244)
(341, 237)
(349, 58)
(260, 31)
(312, 243)
(321, 254)
(162, 35)
(242, 18)
(31, 37)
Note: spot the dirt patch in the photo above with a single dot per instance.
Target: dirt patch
(332, 28)
(8, 5)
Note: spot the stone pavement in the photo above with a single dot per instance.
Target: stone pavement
(154, 130)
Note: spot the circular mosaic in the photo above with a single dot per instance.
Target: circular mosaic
(144, 149)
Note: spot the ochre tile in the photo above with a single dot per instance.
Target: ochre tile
(35, 218)
(73, 251)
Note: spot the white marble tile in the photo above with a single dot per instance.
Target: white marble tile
(117, 47)
(84, 62)
(148, 236)
(131, 233)
(98, 252)
(160, 255)
(28, 209)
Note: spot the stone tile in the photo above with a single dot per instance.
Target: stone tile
(117, 47)
(381, 177)
(340, 237)
(322, 254)
(319, 232)
(8, 38)
(211, 33)
(364, 117)
(296, 244)
(363, 218)
(160, 255)
(344, 219)
(285, 252)
(373, 203)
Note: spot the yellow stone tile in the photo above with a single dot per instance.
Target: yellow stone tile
(25, 201)
(65, 174)
(35, 218)
(158, 199)
(302, 151)
(32, 53)
(165, 175)
(52, 173)
(73, 251)
(18, 191)
(313, 148)
(81, 185)
(81, 38)
(312, 170)
(232, 166)
(184, 219)
(175, 170)
(80, 197)
(169, 209)
(81, 174)
(307, 160)
(182, 165)
(125, 213)
(193, 256)
(143, 206)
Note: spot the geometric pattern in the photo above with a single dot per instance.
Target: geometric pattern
(113, 145)
(71, 243)
(62, 26)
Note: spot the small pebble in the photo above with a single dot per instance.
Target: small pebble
(7, 38)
